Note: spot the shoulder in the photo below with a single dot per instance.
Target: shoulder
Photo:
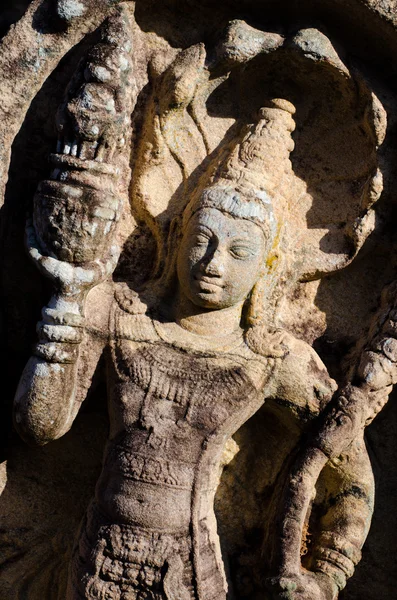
(114, 310)
(129, 316)
(301, 382)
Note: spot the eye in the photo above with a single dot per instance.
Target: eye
(201, 239)
(241, 251)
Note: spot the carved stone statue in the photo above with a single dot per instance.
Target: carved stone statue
(198, 349)
(183, 375)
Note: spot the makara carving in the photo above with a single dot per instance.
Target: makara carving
(240, 178)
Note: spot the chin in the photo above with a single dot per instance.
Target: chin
(206, 300)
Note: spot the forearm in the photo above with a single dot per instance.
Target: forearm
(338, 550)
(44, 403)
(44, 399)
(345, 524)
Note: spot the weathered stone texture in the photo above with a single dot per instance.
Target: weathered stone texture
(198, 206)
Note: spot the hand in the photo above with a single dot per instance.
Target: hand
(303, 586)
(71, 280)
(60, 331)
(69, 10)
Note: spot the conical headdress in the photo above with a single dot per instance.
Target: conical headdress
(248, 173)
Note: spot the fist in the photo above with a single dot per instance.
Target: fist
(304, 586)
(71, 279)
(67, 10)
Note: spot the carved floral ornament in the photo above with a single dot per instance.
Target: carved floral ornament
(236, 171)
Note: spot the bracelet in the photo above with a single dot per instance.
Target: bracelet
(338, 576)
(57, 317)
(336, 559)
(59, 333)
(328, 539)
(57, 352)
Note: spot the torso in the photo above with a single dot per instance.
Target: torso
(174, 400)
(169, 406)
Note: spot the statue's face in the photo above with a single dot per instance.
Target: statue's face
(220, 259)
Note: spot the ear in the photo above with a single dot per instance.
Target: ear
(272, 261)
(256, 301)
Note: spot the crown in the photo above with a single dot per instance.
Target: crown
(245, 177)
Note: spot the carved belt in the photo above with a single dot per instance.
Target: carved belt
(151, 469)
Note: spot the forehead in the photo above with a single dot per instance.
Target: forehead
(223, 224)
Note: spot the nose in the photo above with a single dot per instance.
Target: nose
(213, 265)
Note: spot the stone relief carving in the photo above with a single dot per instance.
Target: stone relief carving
(192, 191)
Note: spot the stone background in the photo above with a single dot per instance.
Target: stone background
(45, 490)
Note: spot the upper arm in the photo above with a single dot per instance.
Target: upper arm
(302, 383)
(95, 339)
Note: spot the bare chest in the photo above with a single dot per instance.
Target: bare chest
(181, 397)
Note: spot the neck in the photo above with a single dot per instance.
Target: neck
(207, 322)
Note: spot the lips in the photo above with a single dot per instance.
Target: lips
(207, 284)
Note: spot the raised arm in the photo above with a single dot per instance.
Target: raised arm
(71, 338)
(73, 235)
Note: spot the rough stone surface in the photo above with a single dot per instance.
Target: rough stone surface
(199, 304)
